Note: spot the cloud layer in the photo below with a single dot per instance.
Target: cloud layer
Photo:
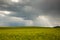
(29, 12)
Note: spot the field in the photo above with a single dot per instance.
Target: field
(30, 33)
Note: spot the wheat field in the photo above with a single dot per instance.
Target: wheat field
(29, 33)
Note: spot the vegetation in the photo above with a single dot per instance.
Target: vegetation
(30, 34)
(57, 27)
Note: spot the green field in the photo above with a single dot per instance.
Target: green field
(29, 33)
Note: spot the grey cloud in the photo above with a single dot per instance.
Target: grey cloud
(14, 21)
(19, 9)
(30, 10)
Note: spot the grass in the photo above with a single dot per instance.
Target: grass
(29, 33)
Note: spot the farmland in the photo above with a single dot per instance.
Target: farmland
(29, 33)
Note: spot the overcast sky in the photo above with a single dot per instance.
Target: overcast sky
(30, 13)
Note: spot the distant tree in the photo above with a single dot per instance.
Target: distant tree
(57, 27)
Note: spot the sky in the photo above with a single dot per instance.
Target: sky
(30, 13)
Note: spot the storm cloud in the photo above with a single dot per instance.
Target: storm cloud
(29, 11)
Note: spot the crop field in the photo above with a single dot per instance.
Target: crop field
(29, 33)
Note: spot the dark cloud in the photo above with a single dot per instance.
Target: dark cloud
(31, 9)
